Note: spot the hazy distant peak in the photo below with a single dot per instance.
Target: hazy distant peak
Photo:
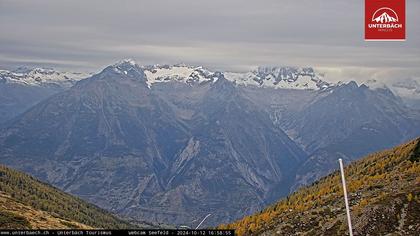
(375, 84)
(41, 77)
(281, 77)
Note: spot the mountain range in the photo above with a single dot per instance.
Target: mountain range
(23, 87)
(171, 144)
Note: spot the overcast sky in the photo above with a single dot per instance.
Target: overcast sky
(229, 35)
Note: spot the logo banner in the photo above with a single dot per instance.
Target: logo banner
(385, 20)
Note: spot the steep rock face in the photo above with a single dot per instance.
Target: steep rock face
(116, 142)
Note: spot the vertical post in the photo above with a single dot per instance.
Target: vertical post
(198, 226)
(343, 181)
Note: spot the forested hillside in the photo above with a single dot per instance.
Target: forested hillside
(384, 198)
(26, 203)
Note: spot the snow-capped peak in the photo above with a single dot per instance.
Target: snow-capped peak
(280, 77)
(178, 73)
(267, 76)
(41, 77)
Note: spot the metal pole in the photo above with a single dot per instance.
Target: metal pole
(343, 180)
(198, 226)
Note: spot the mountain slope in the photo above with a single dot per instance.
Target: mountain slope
(339, 119)
(235, 155)
(108, 124)
(407, 89)
(16, 98)
(26, 203)
(384, 195)
(348, 121)
(146, 152)
(173, 143)
(23, 88)
(15, 215)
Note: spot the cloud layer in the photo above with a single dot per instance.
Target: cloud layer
(233, 35)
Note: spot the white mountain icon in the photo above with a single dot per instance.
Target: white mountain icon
(385, 18)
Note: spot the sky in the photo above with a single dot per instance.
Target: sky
(226, 35)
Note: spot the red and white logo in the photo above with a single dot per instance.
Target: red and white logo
(384, 20)
(385, 15)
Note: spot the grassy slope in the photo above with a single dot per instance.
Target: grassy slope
(384, 196)
(28, 203)
(15, 215)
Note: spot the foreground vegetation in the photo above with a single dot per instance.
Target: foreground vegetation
(384, 196)
(26, 203)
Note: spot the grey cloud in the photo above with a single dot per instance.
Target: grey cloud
(233, 35)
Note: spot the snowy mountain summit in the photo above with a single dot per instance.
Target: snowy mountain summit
(178, 73)
(274, 77)
(127, 67)
(281, 77)
(41, 77)
(267, 77)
